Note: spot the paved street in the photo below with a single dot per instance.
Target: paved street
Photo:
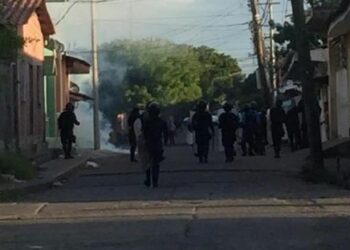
(254, 203)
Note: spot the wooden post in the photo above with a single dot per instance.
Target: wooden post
(312, 112)
(260, 50)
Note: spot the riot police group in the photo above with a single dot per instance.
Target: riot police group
(247, 127)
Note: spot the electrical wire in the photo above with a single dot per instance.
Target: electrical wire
(171, 24)
(70, 7)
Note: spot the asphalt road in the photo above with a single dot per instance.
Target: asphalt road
(254, 203)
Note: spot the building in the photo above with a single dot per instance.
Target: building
(59, 88)
(339, 72)
(24, 82)
(290, 83)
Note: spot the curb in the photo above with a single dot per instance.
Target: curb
(37, 184)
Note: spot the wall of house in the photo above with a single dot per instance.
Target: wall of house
(62, 86)
(31, 31)
(339, 67)
(31, 113)
(8, 81)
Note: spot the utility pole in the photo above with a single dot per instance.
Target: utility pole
(273, 78)
(309, 89)
(260, 50)
(95, 80)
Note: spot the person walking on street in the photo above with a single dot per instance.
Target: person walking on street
(228, 123)
(66, 122)
(202, 123)
(134, 115)
(277, 117)
(248, 123)
(154, 131)
(258, 129)
(293, 127)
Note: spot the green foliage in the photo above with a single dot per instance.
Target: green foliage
(218, 73)
(9, 41)
(285, 37)
(247, 91)
(165, 72)
(17, 165)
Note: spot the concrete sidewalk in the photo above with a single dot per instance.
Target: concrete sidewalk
(48, 174)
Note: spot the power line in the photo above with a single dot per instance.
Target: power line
(167, 24)
(175, 17)
(218, 18)
(70, 7)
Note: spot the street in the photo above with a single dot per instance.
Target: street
(255, 203)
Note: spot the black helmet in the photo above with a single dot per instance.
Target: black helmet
(69, 106)
(253, 105)
(227, 107)
(153, 109)
(201, 106)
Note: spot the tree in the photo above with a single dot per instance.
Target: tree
(9, 41)
(136, 72)
(218, 74)
(285, 38)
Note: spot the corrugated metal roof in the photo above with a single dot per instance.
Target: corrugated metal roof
(18, 12)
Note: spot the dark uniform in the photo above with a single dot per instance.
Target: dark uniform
(249, 126)
(293, 128)
(66, 122)
(202, 123)
(228, 123)
(277, 117)
(154, 130)
(260, 133)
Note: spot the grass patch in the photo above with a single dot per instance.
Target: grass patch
(17, 165)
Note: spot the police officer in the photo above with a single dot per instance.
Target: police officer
(66, 122)
(277, 117)
(249, 124)
(202, 123)
(154, 131)
(228, 123)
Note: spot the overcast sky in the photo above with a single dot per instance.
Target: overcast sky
(221, 24)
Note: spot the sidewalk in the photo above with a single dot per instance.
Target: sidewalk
(48, 174)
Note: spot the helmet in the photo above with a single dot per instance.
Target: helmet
(69, 106)
(227, 106)
(153, 109)
(201, 106)
(253, 105)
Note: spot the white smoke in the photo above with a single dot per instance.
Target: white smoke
(85, 132)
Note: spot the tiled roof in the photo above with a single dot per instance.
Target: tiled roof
(18, 12)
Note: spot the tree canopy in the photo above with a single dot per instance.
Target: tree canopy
(136, 72)
(285, 37)
(9, 41)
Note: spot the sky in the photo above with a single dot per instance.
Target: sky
(221, 24)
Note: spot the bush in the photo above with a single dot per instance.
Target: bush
(17, 165)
